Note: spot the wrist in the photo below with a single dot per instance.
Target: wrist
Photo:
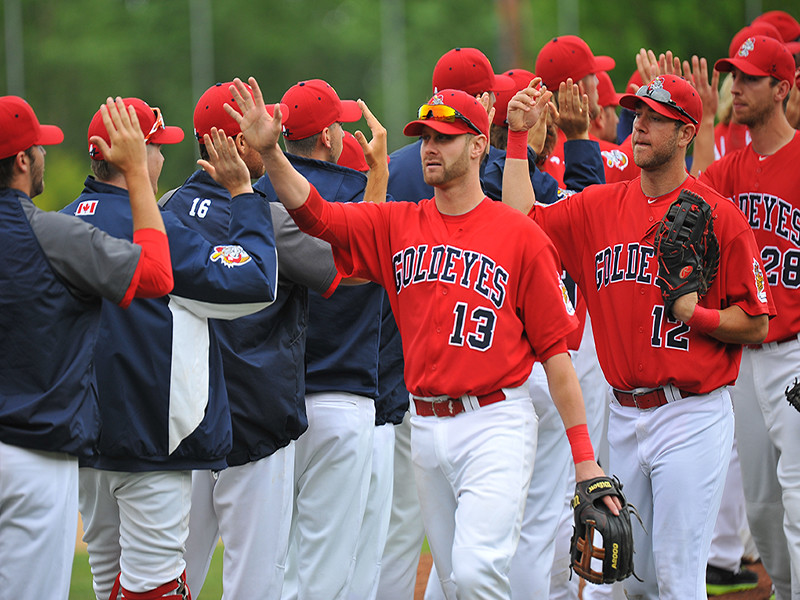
(517, 145)
(705, 320)
(580, 443)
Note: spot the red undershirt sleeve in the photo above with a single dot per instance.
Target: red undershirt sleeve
(153, 275)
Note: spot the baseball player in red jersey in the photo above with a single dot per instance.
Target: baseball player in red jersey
(471, 326)
(762, 180)
(671, 422)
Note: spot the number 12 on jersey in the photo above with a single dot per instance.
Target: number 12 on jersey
(668, 332)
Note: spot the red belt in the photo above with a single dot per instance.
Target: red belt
(791, 338)
(644, 400)
(450, 407)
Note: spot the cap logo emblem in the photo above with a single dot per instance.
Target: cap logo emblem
(656, 84)
(437, 99)
(747, 47)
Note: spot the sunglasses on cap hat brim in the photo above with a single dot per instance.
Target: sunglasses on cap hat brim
(442, 118)
(658, 98)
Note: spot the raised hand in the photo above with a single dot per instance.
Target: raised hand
(261, 130)
(697, 75)
(527, 108)
(127, 150)
(573, 111)
(375, 149)
(224, 163)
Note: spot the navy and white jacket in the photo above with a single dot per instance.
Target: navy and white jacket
(344, 330)
(163, 402)
(51, 281)
(263, 354)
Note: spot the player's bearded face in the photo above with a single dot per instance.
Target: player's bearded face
(446, 159)
(655, 140)
(752, 99)
(155, 161)
(37, 170)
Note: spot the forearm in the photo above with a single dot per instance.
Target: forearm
(565, 389)
(377, 181)
(517, 188)
(290, 186)
(730, 325)
(703, 146)
(144, 208)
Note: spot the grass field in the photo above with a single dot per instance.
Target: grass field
(81, 586)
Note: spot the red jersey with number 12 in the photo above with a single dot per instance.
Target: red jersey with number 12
(477, 297)
(604, 236)
(767, 189)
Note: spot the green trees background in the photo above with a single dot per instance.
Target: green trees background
(66, 56)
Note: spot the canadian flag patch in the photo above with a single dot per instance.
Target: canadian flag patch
(87, 207)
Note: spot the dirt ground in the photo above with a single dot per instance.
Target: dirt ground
(760, 593)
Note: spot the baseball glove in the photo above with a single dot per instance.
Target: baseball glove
(592, 516)
(793, 394)
(687, 249)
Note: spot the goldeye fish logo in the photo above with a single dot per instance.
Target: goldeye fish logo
(230, 256)
(615, 159)
(656, 84)
(761, 291)
(565, 296)
(747, 47)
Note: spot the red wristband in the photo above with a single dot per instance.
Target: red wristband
(581, 445)
(704, 319)
(517, 145)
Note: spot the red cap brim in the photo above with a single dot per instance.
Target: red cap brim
(503, 83)
(457, 127)
(728, 64)
(351, 111)
(169, 135)
(284, 111)
(630, 100)
(49, 135)
(792, 47)
(604, 63)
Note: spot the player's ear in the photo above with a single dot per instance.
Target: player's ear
(687, 134)
(325, 137)
(22, 161)
(241, 144)
(478, 146)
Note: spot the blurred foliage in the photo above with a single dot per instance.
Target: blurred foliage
(76, 53)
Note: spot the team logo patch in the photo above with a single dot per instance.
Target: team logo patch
(230, 256)
(747, 47)
(686, 271)
(87, 207)
(615, 159)
(761, 291)
(437, 99)
(656, 84)
(565, 296)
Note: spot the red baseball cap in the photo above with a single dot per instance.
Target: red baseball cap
(760, 28)
(668, 95)
(469, 70)
(150, 121)
(313, 106)
(21, 129)
(606, 94)
(521, 79)
(451, 112)
(785, 23)
(569, 56)
(761, 56)
(352, 154)
(210, 111)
